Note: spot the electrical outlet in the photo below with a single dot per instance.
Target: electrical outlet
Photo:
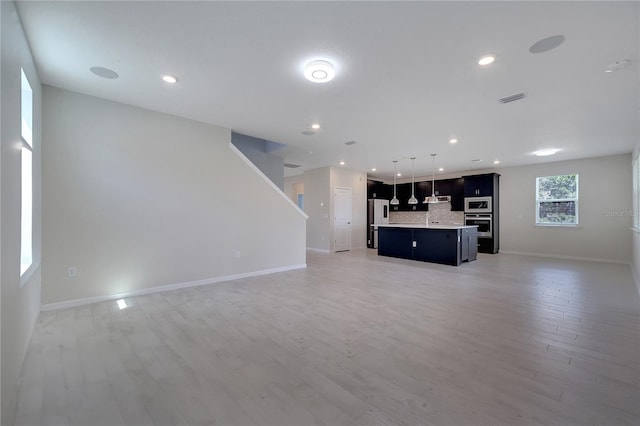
(237, 253)
(72, 271)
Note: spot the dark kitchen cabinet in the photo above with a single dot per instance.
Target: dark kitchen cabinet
(480, 185)
(455, 189)
(447, 246)
(443, 187)
(436, 245)
(457, 195)
(379, 190)
(395, 242)
(403, 191)
(423, 190)
(487, 185)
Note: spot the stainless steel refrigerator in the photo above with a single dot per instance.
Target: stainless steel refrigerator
(377, 213)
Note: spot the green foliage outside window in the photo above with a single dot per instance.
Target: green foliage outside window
(557, 200)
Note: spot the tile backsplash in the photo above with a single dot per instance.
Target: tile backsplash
(440, 213)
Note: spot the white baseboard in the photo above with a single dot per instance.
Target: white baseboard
(317, 250)
(95, 299)
(558, 256)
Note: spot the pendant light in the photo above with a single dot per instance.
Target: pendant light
(433, 199)
(394, 201)
(413, 199)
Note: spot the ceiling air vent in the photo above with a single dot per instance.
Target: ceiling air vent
(350, 143)
(512, 98)
(291, 166)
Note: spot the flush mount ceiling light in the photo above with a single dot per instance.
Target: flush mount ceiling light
(546, 152)
(315, 126)
(486, 59)
(496, 161)
(433, 199)
(342, 163)
(453, 140)
(319, 71)
(394, 201)
(547, 43)
(104, 72)
(373, 170)
(171, 79)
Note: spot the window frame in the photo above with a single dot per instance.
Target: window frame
(575, 200)
(635, 225)
(26, 183)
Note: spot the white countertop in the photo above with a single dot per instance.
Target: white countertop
(423, 226)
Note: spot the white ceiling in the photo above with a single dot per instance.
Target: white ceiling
(407, 75)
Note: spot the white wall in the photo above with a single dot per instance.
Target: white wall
(317, 198)
(605, 188)
(318, 186)
(137, 199)
(20, 302)
(255, 149)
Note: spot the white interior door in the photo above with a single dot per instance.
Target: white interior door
(342, 219)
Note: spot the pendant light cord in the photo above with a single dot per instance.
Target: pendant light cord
(433, 175)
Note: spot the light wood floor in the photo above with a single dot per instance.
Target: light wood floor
(353, 339)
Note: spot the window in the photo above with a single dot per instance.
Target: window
(557, 200)
(26, 215)
(636, 191)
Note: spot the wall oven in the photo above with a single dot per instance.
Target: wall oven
(484, 222)
(477, 205)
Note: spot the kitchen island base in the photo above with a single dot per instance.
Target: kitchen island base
(446, 245)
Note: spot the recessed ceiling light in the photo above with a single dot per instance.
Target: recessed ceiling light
(104, 72)
(486, 60)
(168, 78)
(319, 71)
(399, 174)
(545, 152)
(496, 161)
(315, 126)
(342, 163)
(441, 169)
(618, 65)
(373, 170)
(453, 140)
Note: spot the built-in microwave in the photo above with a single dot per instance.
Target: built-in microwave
(477, 205)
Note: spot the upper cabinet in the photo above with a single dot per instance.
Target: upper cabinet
(403, 191)
(379, 190)
(481, 185)
(453, 188)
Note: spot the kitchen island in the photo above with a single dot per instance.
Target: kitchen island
(446, 244)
